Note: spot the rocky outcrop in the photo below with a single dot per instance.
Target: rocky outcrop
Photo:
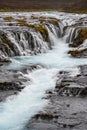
(78, 53)
(68, 99)
(70, 86)
(23, 36)
(67, 106)
(81, 37)
(80, 43)
(30, 35)
(14, 81)
(10, 83)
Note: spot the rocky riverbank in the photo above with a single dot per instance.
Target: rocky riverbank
(64, 37)
(67, 107)
(14, 81)
(10, 83)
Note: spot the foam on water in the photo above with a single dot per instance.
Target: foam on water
(55, 58)
(17, 110)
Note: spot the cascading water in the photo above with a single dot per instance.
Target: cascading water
(26, 46)
(17, 110)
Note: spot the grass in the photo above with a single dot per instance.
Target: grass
(76, 11)
(40, 10)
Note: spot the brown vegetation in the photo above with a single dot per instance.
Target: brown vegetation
(82, 35)
(78, 53)
(8, 18)
(62, 5)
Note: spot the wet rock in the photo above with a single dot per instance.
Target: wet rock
(68, 105)
(31, 67)
(81, 37)
(49, 92)
(42, 126)
(64, 112)
(78, 53)
(4, 59)
(6, 93)
(44, 116)
(10, 83)
(80, 43)
(73, 86)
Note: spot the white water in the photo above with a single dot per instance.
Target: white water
(56, 58)
(17, 110)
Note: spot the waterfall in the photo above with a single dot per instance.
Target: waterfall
(11, 37)
(39, 44)
(33, 43)
(51, 49)
(30, 41)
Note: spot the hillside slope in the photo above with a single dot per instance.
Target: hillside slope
(46, 4)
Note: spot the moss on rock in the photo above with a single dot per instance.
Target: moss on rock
(46, 19)
(53, 21)
(34, 17)
(82, 35)
(8, 18)
(39, 28)
(21, 22)
(78, 53)
(5, 39)
(42, 29)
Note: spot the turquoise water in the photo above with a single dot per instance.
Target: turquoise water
(17, 110)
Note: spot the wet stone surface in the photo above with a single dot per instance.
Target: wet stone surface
(10, 83)
(67, 106)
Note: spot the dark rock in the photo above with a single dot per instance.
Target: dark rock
(49, 92)
(44, 116)
(10, 83)
(68, 105)
(64, 125)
